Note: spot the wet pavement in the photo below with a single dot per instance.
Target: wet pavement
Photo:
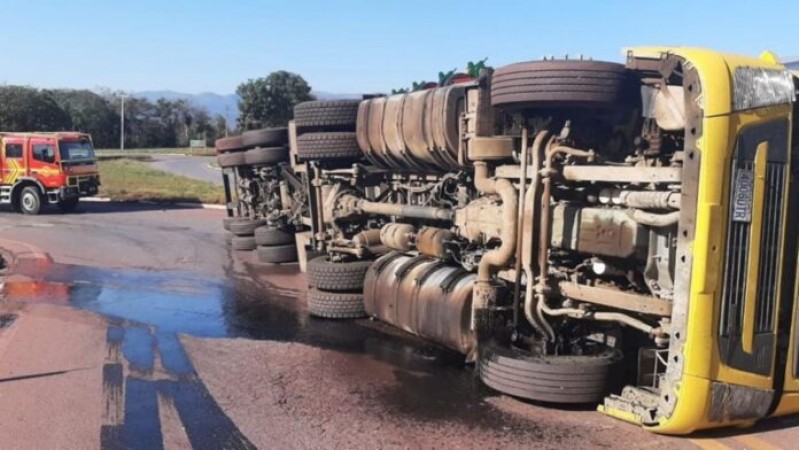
(204, 348)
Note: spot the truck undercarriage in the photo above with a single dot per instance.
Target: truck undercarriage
(539, 219)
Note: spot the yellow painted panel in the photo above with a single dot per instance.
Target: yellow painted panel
(753, 268)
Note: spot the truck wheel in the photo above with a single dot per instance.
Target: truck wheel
(268, 155)
(335, 305)
(273, 236)
(229, 220)
(244, 243)
(555, 379)
(561, 83)
(337, 276)
(232, 159)
(68, 205)
(277, 254)
(340, 147)
(266, 137)
(229, 144)
(246, 227)
(30, 201)
(336, 115)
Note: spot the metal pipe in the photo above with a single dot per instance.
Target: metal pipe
(605, 317)
(542, 288)
(358, 252)
(531, 311)
(640, 199)
(519, 222)
(502, 254)
(412, 211)
(656, 220)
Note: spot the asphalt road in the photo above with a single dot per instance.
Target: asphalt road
(188, 166)
(131, 326)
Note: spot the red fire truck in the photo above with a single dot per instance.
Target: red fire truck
(46, 168)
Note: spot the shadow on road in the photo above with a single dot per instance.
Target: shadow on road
(119, 207)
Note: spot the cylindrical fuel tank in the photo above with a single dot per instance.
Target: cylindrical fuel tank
(422, 296)
(417, 131)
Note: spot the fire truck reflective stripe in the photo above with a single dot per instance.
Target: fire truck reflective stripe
(13, 172)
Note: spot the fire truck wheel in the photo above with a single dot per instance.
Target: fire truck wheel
(332, 276)
(335, 305)
(266, 155)
(555, 379)
(561, 83)
(244, 243)
(277, 254)
(267, 137)
(68, 205)
(246, 227)
(334, 115)
(273, 236)
(232, 159)
(30, 201)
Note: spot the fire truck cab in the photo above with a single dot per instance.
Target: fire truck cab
(46, 168)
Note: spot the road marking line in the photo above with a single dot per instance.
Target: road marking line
(710, 444)
(754, 442)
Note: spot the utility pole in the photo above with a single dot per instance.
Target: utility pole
(122, 96)
(227, 115)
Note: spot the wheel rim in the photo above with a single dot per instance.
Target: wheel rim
(28, 201)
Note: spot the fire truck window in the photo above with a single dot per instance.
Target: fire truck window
(13, 150)
(44, 153)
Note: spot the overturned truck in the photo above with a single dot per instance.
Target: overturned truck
(582, 231)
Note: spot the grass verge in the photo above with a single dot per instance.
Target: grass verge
(155, 151)
(130, 180)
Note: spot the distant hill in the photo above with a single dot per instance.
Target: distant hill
(219, 104)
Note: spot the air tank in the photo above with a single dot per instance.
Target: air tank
(417, 131)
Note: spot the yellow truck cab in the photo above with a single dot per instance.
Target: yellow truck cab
(732, 357)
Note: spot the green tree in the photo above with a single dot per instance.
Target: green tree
(89, 113)
(269, 101)
(24, 108)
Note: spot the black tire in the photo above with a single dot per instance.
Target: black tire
(336, 115)
(68, 205)
(229, 220)
(30, 201)
(244, 243)
(335, 305)
(267, 155)
(246, 227)
(339, 147)
(553, 379)
(277, 254)
(273, 236)
(229, 144)
(337, 276)
(231, 159)
(562, 83)
(266, 137)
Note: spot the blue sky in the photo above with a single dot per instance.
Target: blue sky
(350, 46)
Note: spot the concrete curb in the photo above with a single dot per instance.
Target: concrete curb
(179, 204)
(210, 166)
(23, 257)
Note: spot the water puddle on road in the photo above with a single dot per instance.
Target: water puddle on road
(148, 310)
